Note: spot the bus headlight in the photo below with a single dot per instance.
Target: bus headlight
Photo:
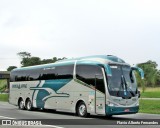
(111, 104)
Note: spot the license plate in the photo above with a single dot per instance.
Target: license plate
(126, 110)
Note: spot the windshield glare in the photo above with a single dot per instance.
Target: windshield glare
(129, 78)
(122, 79)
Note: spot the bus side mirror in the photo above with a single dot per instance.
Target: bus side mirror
(140, 71)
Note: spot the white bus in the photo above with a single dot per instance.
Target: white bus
(101, 85)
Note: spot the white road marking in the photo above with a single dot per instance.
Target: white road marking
(7, 117)
(53, 126)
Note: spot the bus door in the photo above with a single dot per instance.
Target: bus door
(100, 93)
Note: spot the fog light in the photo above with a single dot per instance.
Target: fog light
(111, 105)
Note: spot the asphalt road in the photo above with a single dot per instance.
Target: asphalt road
(66, 120)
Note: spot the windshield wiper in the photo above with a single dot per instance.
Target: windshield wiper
(121, 86)
(131, 91)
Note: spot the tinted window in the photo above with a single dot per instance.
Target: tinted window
(88, 73)
(19, 76)
(47, 74)
(58, 72)
(65, 72)
(33, 74)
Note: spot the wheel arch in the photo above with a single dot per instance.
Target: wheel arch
(77, 103)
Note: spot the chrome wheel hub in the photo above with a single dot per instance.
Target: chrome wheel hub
(28, 105)
(21, 104)
(82, 109)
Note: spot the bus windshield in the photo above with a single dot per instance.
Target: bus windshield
(122, 82)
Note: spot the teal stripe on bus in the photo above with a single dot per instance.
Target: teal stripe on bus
(55, 85)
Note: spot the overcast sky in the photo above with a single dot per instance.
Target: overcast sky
(129, 29)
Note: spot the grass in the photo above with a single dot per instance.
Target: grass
(3, 84)
(151, 89)
(151, 93)
(4, 97)
(149, 106)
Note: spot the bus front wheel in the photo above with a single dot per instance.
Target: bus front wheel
(82, 109)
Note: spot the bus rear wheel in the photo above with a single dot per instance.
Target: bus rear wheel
(21, 104)
(82, 109)
(29, 105)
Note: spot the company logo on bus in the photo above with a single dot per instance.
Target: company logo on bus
(19, 86)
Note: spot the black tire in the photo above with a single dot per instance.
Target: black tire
(28, 105)
(82, 109)
(21, 104)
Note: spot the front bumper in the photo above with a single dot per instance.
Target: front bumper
(115, 110)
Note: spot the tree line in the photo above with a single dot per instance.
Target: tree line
(28, 60)
(151, 77)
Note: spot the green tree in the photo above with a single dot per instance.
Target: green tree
(10, 68)
(30, 61)
(24, 54)
(46, 61)
(61, 58)
(151, 73)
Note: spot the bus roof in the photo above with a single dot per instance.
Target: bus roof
(109, 58)
(106, 57)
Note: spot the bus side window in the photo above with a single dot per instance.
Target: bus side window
(21, 76)
(100, 83)
(32, 75)
(87, 74)
(47, 74)
(58, 72)
(64, 72)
